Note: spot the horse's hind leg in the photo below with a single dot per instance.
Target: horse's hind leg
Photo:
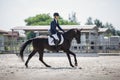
(41, 58)
(29, 57)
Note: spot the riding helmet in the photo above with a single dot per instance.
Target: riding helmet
(56, 14)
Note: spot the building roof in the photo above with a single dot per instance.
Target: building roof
(102, 29)
(46, 28)
(10, 34)
(3, 32)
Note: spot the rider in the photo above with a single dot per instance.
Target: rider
(54, 24)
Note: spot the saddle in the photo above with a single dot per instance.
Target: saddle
(51, 38)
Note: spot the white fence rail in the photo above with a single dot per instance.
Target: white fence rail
(14, 47)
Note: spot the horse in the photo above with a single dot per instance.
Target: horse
(41, 43)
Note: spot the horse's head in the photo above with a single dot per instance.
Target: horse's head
(73, 33)
(77, 34)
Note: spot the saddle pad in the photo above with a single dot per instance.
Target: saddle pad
(51, 41)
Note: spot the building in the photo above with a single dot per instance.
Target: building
(103, 41)
(114, 42)
(6, 39)
(89, 36)
(2, 40)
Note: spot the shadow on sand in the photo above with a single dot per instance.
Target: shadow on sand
(55, 68)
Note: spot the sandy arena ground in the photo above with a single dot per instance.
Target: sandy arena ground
(93, 68)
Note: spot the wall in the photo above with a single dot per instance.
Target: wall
(2, 48)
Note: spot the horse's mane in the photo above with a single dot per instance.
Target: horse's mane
(44, 36)
(70, 30)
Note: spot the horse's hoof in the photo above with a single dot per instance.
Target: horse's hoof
(76, 64)
(48, 66)
(71, 65)
(80, 68)
(26, 65)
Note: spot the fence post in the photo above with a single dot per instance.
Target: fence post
(12, 43)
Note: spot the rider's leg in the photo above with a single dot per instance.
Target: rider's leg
(59, 36)
(56, 43)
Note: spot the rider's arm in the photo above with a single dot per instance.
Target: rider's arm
(60, 27)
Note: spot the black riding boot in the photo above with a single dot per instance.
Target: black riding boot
(56, 43)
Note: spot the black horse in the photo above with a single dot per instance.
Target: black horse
(41, 43)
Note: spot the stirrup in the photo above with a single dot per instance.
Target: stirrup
(56, 42)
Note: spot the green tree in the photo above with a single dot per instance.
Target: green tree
(72, 17)
(118, 32)
(89, 21)
(44, 19)
(30, 34)
(111, 28)
(40, 19)
(98, 23)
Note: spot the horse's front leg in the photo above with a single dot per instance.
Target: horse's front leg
(70, 52)
(69, 58)
(29, 57)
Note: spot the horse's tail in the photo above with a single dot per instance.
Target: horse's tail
(23, 48)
